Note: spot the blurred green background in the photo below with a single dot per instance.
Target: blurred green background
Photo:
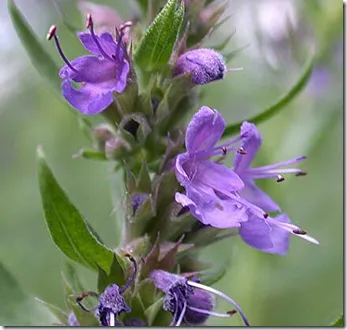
(303, 288)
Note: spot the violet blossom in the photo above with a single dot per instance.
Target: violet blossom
(250, 143)
(211, 188)
(222, 197)
(99, 75)
(111, 301)
(189, 301)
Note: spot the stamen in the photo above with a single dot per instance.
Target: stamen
(241, 151)
(52, 34)
(132, 277)
(224, 151)
(265, 215)
(90, 26)
(232, 312)
(221, 294)
(280, 178)
(174, 318)
(112, 320)
(211, 313)
(299, 232)
(182, 314)
(84, 295)
(234, 69)
(125, 25)
(302, 173)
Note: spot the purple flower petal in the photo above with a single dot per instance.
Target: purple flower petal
(279, 237)
(251, 142)
(106, 42)
(252, 193)
(88, 100)
(204, 130)
(256, 233)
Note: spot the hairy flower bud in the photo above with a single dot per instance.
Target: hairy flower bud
(204, 65)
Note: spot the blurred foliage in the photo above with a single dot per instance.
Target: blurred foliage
(303, 288)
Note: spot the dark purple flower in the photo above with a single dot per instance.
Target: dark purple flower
(72, 320)
(99, 75)
(111, 301)
(204, 65)
(211, 188)
(189, 302)
(250, 143)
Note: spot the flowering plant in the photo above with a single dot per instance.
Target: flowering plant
(182, 190)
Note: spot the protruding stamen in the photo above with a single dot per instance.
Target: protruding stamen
(232, 312)
(241, 151)
(221, 294)
(89, 21)
(299, 232)
(52, 33)
(265, 215)
(132, 277)
(224, 151)
(234, 69)
(90, 26)
(125, 25)
(84, 295)
(280, 178)
(302, 173)
(211, 313)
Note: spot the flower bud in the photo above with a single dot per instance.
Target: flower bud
(72, 320)
(102, 133)
(204, 65)
(115, 146)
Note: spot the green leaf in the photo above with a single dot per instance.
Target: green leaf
(340, 322)
(38, 55)
(116, 275)
(18, 308)
(281, 103)
(69, 230)
(156, 45)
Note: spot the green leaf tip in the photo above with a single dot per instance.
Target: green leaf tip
(155, 47)
(69, 230)
(294, 91)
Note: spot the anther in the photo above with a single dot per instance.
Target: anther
(51, 32)
(265, 215)
(302, 173)
(224, 151)
(125, 25)
(89, 21)
(280, 178)
(299, 232)
(241, 151)
(232, 312)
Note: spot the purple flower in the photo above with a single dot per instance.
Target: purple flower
(111, 301)
(228, 198)
(211, 188)
(250, 143)
(204, 65)
(189, 301)
(99, 75)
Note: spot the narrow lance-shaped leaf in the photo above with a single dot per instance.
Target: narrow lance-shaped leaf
(156, 45)
(281, 103)
(69, 230)
(38, 56)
